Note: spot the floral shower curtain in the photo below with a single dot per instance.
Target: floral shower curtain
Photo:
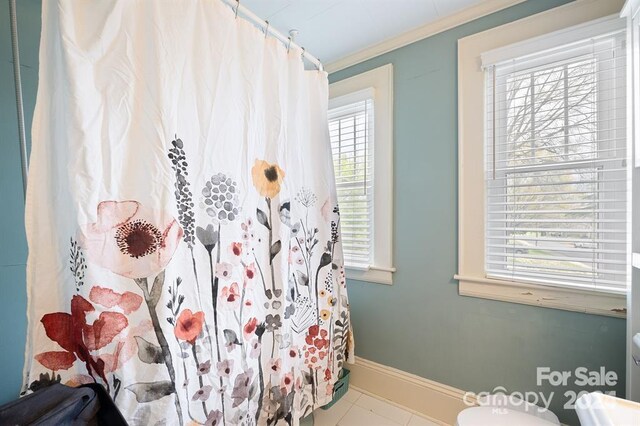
(184, 245)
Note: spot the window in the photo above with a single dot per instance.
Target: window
(556, 172)
(360, 122)
(352, 136)
(544, 181)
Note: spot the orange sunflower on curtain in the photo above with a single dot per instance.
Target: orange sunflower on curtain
(267, 178)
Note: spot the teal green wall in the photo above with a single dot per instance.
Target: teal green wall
(421, 324)
(13, 245)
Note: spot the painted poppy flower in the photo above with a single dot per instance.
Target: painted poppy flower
(311, 333)
(189, 325)
(287, 382)
(241, 388)
(321, 343)
(235, 250)
(250, 271)
(325, 314)
(294, 352)
(130, 239)
(224, 270)
(56, 360)
(230, 295)
(202, 394)
(327, 375)
(267, 178)
(126, 301)
(214, 418)
(204, 368)
(225, 367)
(78, 338)
(275, 365)
(250, 327)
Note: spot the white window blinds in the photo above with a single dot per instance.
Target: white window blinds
(351, 131)
(557, 208)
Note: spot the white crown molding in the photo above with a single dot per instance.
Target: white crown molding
(468, 14)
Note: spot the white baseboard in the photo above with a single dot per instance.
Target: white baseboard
(435, 401)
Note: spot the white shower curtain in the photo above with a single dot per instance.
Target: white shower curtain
(184, 245)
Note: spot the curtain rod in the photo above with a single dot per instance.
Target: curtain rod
(18, 87)
(287, 41)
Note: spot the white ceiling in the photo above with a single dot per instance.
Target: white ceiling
(333, 29)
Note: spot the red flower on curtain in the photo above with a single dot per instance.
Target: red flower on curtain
(127, 301)
(317, 346)
(189, 325)
(56, 360)
(250, 327)
(230, 295)
(235, 249)
(78, 338)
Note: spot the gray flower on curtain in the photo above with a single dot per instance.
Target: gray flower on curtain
(221, 198)
(186, 216)
(204, 368)
(214, 418)
(225, 367)
(202, 394)
(273, 322)
(241, 388)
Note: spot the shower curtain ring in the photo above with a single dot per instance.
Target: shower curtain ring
(302, 54)
(266, 29)
(289, 44)
(237, 7)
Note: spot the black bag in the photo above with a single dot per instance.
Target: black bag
(62, 405)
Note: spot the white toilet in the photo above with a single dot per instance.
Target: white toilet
(598, 409)
(503, 410)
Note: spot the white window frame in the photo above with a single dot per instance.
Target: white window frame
(606, 129)
(631, 12)
(380, 82)
(560, 25)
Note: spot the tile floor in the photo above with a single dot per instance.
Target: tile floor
(358, 409)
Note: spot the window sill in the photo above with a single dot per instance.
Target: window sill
(590, 302)
(370, 275)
